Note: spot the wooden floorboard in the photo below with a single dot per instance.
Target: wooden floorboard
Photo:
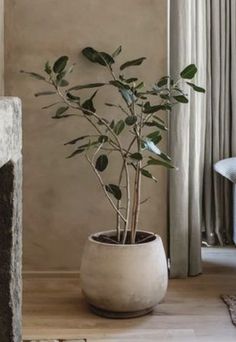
(192, 310)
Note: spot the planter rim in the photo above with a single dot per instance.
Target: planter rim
(90, 239)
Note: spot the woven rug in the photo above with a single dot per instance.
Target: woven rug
(231, 303)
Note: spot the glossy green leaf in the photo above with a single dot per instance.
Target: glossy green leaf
(196, 88)
(136, 156)
(117, 52)
(60, 64)
(82, 148)
(131, 120)
(134, 62)
(163, 81)
(131, 79)
(181, 98)
(94, 56)
(88, 105)
(34, 75)
(62, 83)
(150, 146)
(87, 86)
(154, 123)
(153, 161)
(50, 105)
(189, 72)
(146, 173)
(103, 138)
(72, 142)
(148, 109)
(42, 93)
(128, 96)
(155, 137)
(119, 84)
(101, 163)
(72, 97)
(61, 110)
(114, 190)
(119, 126)
(47, 68)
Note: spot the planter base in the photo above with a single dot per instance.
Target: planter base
(119, 315)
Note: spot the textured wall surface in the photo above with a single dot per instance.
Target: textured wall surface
(10, 220)
(62, 200)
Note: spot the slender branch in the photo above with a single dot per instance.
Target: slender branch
(104, 189)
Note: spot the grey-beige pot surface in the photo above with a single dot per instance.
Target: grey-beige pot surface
(121, 281)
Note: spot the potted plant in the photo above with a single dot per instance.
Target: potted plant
(123, 271)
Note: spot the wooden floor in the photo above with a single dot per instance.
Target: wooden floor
(192, 310)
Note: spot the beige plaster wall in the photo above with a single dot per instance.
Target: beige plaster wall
(1, 47)
(62, 201)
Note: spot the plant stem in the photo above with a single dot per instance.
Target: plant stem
(104, 189)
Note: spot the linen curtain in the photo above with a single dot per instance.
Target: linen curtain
(201, 32)
(220, 118)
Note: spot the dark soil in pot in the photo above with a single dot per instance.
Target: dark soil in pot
(141, 237)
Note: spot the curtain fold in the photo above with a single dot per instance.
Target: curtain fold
(202, 32)
(186, 139)
(217, 199)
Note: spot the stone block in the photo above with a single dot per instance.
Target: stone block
(10, 220)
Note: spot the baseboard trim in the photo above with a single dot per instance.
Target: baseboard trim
(51, 274)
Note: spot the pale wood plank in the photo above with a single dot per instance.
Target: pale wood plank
(192, 310)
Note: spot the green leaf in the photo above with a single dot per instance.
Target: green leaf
(146, 173)
(165, 96)
(72, 142)
(110, 105)
(154, 123)
(62, 83)
(94, 56)
(136, 156)
(148, 109)
(72, 97)
(42, 93)
(119, 84)
(153, 161)
(165, 156)
(189, 72)
(163, 81)
(120, 125)
(101, 163)
(47, 68)
(131, 120)
(117, 51)
(114, 190)
(103, 138)
(34, 75)
(112, 124)
(87, 86)
(50, 105)
(140, 85)
(181, 98)
(61, 110)
(82, 148)
(196, 88)
(150, 146)
(128, 96)
(88, 105)
(60, 64)
(155, 137)
(132, 63)
(132, 79)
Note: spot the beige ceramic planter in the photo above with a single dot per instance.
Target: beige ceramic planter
(123, 280)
